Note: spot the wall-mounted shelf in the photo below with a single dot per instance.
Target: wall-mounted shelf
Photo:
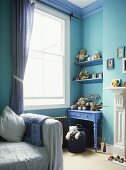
(89, 81)
(90, 63)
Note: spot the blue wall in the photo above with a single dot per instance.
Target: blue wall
(5, 53)
(114, 36)
(93, 41)
(5, 59)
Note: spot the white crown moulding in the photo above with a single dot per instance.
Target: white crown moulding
(69, 8)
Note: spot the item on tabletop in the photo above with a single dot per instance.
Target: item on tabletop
(80, 104)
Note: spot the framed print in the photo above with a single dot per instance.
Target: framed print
(110, 63)
(121, 52)
(124, 65)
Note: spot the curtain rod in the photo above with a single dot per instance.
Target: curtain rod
(70, 15)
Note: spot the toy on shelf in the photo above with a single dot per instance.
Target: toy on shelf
(116, 83)
(82, 56)
(124, 83)
(84, 74)
(96, 56)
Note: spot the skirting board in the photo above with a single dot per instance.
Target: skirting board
(109, 148)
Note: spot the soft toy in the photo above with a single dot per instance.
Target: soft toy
(81, 103)
(82, 56)
(74, 106)
(97, 55)
(83, 75)
(72, 131)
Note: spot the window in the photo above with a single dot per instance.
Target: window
(47, 77)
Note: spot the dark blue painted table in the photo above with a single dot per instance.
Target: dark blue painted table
(88, 115)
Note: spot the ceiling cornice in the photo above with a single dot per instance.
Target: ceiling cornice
(70, 8)
(64, 6)
(92, 8)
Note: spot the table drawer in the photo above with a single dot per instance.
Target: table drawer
(84, 116)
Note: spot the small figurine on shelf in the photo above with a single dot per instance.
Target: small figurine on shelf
(116, 83)
(124, 83)
(83, 75)
(97, 55)
(82, 56)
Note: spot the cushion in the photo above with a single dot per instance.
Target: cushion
(12, 126)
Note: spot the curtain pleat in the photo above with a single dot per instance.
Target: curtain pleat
(22, 22)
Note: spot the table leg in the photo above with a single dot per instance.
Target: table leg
(95, 136)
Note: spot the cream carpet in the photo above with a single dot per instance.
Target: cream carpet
(88, 160)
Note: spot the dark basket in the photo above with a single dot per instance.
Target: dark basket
(77, 145)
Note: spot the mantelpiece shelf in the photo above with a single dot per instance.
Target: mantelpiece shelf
(90, 63)
(118, 90)
(89, 81)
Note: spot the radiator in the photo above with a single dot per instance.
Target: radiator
(64, 121)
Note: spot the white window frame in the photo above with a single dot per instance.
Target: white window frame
(66, 18)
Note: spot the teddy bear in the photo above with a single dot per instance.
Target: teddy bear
(83, 75)
(74, 106)
(72, 131)
(80, 104)
(82, 56)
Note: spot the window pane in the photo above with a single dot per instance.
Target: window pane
(53, 75)
(33, 81)
(48, 32)
(44, 81)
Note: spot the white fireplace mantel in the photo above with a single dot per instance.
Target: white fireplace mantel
(119, 90)
(119, 120)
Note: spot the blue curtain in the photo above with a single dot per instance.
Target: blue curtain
(22, 21)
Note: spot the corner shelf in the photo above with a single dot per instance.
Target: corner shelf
(90, 81)
(90, 63)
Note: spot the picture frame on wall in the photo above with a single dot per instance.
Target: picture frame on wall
(110, 63)
(121, 52)
(124, 65)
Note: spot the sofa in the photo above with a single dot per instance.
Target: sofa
(26, 156)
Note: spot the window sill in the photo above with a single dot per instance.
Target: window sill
(26, 108)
